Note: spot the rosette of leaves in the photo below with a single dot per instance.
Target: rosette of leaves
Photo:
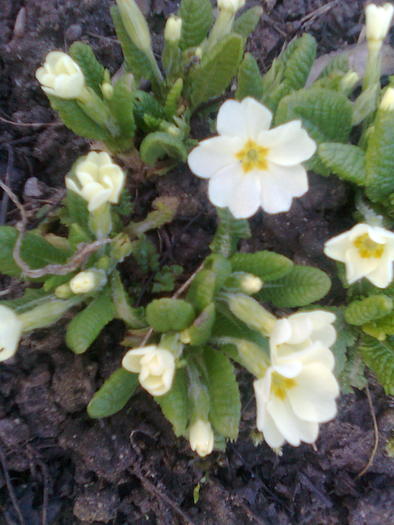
(206, 376)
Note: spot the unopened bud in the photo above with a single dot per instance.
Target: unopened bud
(250, 284)
(387, 102)
(107, 90)
(87, 281)
(231, 5)
(135, 24)
(249, 311)
(173, 29)
(63, 291)
(378, 20)
(349, 81)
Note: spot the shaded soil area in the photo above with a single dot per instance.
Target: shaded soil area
(60, 467)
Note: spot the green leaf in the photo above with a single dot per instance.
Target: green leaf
(352, 375)
(35, 251)
(368, 309)
(113, 394)
(346, 338)
(301, 286)
(122, 106)
(227, 325)
(201, 329)
(76, 119)
(246, 23)
(202, 289)
(325, 114)
(379, 356)
(159, 144)
(145, 255)
(137, 62)
(87, 324)
(197, 18)
(345, 160)
(165, 279)
(380, 157)
(264, 264)
(131, 316)
(225, 401)
(165, 315)
(76, 211)
(173, 98)
(175, 404)
(338, 64)
(217, 69)
(31, 298)
(145, 104)
(221, 266)
(249, 79)
(381, 328)
(229, 231)
(92, 70)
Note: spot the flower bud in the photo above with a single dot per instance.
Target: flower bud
(249, 311)
(201, 437)
(87, 281)
(231, 5)
(378, 20)
(349, 81)
(63, 291)
(387, 102)
(107, 90)
(173, 29)
(250, 284)
(135, 24)
(155, 366)
(10, 332)
(61, 76)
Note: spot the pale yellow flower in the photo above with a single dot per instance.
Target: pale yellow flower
(61, 76)
(378, 20)
(201, 437)
(10, 332)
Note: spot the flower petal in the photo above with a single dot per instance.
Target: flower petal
(258, 117)
(245, 200)
(382, 275)
(313, 397)
(231, 120)
(213, 155)
(271, 433)
(358, 267)
(224, 184)
(288, 144)
(280, 184)
(10, 332)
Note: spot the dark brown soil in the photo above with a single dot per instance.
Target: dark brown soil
(60, 467)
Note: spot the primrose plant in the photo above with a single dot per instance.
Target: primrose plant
(235, 311)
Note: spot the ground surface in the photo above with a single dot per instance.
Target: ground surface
(59, 467)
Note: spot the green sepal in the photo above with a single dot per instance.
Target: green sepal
(35, 251)
(201, 329)
(325, 114)
(131, 316)
(365, 310)
(175, 403)
(159, 144)
(91, 68)
(221, 266)
(75, 118)
(379, 160)
(249, 82)
(247, 22)
(228, 232)
(87, 324)
(197, 18)
(165, 315)
(122, 106)
(379, 357)
(345, 160)
(54, 281)
(264, 264)
(301, 286)
(225, 401)
(218, 67)
(137, 62)
(227, 325)
(202, 289)
(113, 395)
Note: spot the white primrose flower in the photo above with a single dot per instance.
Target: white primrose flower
(378, 20)
(387, 102)
(10, 332)
(173, 29)
(155, 366)
(98, 180)
(61, 76)
(201, 437)
(249, 165)
(367, 251)
(298, 390)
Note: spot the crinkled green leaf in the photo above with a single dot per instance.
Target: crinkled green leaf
(146, 104)
(159, 144)
(218, 67)
(165, 315)
(202, 289)
(379, 356)
(249, 79)
(301, 286)
(87, 324)
(353, 375)
(221, 266)
(345, 160)
(380, 328)
(113, 394)
(175, 404)
(368, 309)
(122, 106)
(165, 278)
(225, 401)
(197, 18)
(131, 316)
(264, 264)
(76, 211)
(247, 22)
(201, 329)
(92, 70)
(173, 98)
(229, 231)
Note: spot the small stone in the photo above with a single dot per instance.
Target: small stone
(73, 32)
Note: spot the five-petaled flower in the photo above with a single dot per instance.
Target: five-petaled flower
(10, 332)
(201, 437)
(61, 76)
(367, 251)
(249, 165)
(98, 180)
(155, 366)
(298, 390)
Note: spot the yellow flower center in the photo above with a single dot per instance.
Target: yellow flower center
(253, 156)
(280, 385)
(367, 247)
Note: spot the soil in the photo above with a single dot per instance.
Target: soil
(60, 467)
